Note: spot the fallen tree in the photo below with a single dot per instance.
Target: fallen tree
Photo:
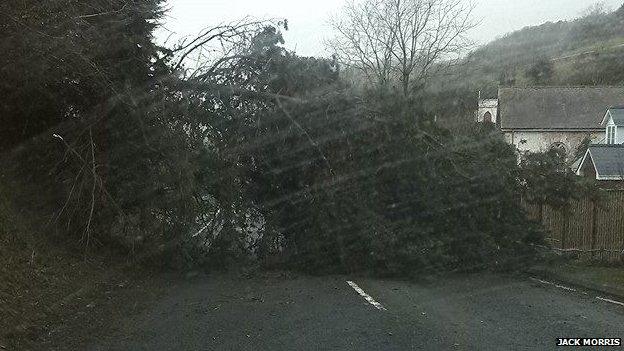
(259, 153)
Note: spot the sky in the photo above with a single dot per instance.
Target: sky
(308, 19)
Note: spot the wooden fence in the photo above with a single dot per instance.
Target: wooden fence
(593, 229)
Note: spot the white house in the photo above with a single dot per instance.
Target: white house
(535, 119)
(605, 161)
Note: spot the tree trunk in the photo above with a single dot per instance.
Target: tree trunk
(405, 83)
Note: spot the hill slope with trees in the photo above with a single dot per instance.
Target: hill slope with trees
(588, 50)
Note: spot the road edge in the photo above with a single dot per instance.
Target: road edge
(545, 273)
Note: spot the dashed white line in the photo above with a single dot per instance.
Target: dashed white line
(570, 289)
(366, 296)
(553, 284)
(609, 300)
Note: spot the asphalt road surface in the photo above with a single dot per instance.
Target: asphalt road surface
(475, 312)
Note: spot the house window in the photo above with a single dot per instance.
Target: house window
(611, 134)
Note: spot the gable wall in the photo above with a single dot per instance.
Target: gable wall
(536, 141)
(619, 133)
(485, 106)
(587, 168)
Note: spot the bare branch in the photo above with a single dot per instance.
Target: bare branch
(212, 45)
(401, 40)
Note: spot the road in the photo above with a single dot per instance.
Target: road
(474, 312)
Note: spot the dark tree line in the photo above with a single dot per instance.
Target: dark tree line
(63, 57)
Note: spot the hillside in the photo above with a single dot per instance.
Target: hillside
(588, 50)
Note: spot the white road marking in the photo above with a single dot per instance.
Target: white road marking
(609, 300)
(553, 284)
(570, 289)
(366, 297)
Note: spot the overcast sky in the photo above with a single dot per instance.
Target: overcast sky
(308, 18)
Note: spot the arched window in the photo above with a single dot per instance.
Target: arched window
(487, 117)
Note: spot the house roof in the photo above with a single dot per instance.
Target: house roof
(616, 113)
(608, 161)
(556, 108)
